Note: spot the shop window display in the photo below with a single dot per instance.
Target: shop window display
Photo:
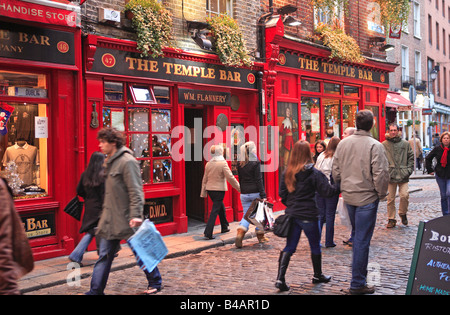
(146, 125)
(332, 115)
(311, 119)
(23, 134)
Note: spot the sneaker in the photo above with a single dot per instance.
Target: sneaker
(391, 223)
(367, 289)
(404, 219)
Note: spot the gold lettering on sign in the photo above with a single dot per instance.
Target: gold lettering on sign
(157, 211)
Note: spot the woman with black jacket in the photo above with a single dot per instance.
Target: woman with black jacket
(298, 187)
(91, 188)
(441, 170)
(252, 187)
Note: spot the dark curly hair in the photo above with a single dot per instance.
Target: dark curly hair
(112, 135)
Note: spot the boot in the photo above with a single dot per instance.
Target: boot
(319, 277)
(241, 230)
(391, 223)
(261, 237)
(283, 263)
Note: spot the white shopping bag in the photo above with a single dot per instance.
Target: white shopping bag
(343, 214)
(269, 216)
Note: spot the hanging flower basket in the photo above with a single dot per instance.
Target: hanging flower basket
(229, 42)
(153, 25)
(344, 48)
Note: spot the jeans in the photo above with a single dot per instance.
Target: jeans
(444, 188)
(327, 215)
(102, 268)
(246, 201)
(363, 219)
(78, 252)
(312, 232)
(218, 208)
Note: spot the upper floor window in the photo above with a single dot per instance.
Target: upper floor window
(216, 7)
(417, 19)
(327, 14)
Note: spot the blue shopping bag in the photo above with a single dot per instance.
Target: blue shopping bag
(148, 246)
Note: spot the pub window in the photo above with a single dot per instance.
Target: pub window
(146, 120)
(310, 86)
(24, 133)
(332, 88)
(332, 115)
(114, 91)
(351, 91)
(311, 119)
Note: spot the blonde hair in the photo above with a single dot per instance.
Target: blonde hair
(246, 149)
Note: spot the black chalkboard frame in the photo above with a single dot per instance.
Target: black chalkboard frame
(412, 271)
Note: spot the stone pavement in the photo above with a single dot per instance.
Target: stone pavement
(201, 267)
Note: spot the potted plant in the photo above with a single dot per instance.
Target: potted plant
(153, 25)
(229, 42)
(344, 48)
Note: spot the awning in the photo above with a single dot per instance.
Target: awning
(394, 99)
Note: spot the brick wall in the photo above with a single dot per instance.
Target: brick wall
(246, 12)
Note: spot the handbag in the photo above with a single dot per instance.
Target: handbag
(148, 246)
(74, 208)
(282, 225)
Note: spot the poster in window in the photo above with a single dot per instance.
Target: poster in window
(288, 123)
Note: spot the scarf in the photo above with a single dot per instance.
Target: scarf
(444, 156)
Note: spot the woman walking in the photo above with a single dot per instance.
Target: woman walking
(441, 170)
(252, 187)
(91, 188)
(298, 187)
(327, 205)
(217, 173)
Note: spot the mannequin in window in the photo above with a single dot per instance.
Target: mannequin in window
(26, 158)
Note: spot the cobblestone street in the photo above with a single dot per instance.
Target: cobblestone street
(252, 269)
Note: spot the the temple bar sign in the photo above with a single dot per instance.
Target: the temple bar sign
(304, 62)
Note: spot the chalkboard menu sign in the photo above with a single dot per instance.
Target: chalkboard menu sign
(430, 266)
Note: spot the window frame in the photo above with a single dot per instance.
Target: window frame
(127, 105)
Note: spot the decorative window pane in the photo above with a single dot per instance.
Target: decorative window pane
(114, 117)
(161, 145)
(352, 91)
(161, 120)
(114, 91)
(138, 119)
(139, 145)
(331, 88)
(162, 171)
(311, 86)
(162, 94)
(332, 117)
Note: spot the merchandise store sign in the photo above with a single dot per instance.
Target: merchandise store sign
(430, 265)
(303, 62)
(159, 210)
(40, 13)
(36, 44)
(38, 225)
(189, 96)
(120, 62)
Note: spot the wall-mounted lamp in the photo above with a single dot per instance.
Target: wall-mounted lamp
(291, 21)
(433, 74)
(379, 42)
(199, 31)
(387, 47)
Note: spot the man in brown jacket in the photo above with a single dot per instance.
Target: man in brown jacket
(16, 258)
